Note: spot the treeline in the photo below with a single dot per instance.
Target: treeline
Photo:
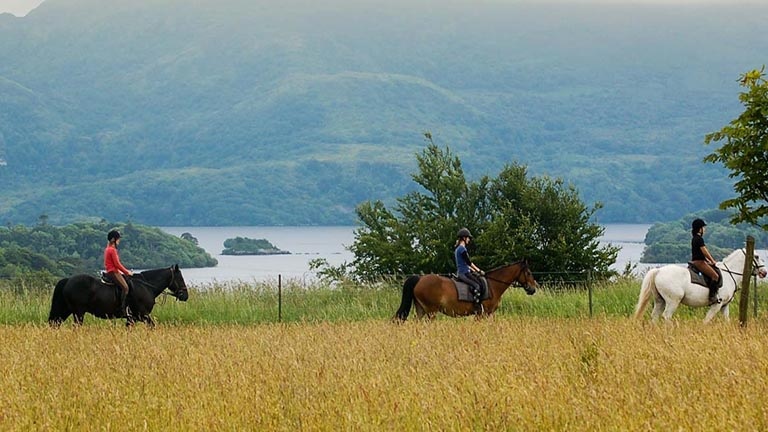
(249, 246)
(670, 242)
(300, 134)
(79, 248)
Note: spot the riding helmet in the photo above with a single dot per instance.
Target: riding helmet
(697, 224)
(113, 235)
(464, 233)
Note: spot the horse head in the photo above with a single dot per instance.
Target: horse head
(520, 273)
(736, 259)
(525, 278)
(758, 267)
(177, 285)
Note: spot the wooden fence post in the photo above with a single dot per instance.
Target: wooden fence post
(746, 281)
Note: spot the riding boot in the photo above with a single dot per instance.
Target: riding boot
(478, 304)
(478, 307)
(713, 292)
(124, 310)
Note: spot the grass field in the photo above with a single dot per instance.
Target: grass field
(336, 362)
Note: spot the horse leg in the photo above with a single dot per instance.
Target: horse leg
(713, 310)
(658, 308)
(58, 320)
(148, 320)
(670, 308)
(420, 312)
(726, 312)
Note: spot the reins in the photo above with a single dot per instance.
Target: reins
(503, 281)
(731, 272)
(155, 287)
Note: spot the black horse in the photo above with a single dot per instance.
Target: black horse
(83, 293)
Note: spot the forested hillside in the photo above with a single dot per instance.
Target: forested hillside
(249, 112)
(79, 248)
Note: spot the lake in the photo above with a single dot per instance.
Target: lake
(308, 243)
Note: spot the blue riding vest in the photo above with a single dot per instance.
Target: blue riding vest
(462, 260)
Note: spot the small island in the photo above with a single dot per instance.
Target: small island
(248, 246)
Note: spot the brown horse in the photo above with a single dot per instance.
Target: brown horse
(434, 293)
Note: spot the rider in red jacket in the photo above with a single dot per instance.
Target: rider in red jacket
(116, 270)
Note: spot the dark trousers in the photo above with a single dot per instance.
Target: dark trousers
(475, 286)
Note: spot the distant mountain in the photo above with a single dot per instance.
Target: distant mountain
(255, 112)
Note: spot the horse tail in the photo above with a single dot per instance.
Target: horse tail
(647, 290)
(59, 310)
(407, 301)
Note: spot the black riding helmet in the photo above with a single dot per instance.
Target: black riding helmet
(697, 224)
(464, 233)
(113, 235)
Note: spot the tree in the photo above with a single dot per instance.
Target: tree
(511, 216)
(745, 152)
(670, 242)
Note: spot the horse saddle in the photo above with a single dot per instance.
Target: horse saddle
(106, 279)
(462, 289)
(699, 278)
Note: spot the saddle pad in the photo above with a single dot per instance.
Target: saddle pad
(462, 289)
(699, 279)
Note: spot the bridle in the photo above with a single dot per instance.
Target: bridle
(755, 268)
(523, 267)
(175, 294)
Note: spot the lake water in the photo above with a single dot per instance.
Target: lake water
(308, 243)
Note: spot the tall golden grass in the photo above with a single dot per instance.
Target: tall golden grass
(504, 373)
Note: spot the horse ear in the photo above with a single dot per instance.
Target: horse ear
(176, 267)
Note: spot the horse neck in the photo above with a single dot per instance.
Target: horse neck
(507, 274)
(732, 269)
(158, 279)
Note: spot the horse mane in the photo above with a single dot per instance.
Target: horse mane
(152, 272)
(735, 252)
(522, 262)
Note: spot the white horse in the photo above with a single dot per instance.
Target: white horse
(671, 285)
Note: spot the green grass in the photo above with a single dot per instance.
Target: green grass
(26, 301)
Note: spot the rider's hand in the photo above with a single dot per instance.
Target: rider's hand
(482, 273)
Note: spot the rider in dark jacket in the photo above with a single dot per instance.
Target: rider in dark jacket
(466, 270)
(702, 259)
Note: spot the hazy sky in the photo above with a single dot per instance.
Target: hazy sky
(22, 7)
(18, 7)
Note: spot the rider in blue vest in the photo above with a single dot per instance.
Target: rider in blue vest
(466, 270)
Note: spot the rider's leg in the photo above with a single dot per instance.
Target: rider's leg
(712, 280)
(474, 288)
(124, 311)
(477, 294)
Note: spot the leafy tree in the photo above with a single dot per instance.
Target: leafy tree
(249, 246)
(745, 151)
(189, 237)
(670, 242)
(512, 217)
(79, 247)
